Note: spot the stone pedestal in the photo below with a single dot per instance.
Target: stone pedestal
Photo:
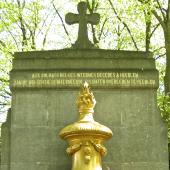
(44, 88)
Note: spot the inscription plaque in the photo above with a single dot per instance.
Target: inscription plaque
(97, 79)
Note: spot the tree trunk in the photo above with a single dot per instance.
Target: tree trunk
(167, 71)
(167, 46)
(148, 33)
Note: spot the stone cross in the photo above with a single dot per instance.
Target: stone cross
(83, 19)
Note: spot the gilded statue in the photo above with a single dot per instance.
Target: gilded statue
(86, 137)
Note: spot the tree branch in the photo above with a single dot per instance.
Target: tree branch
(159, 56)
(22, 26)
(10, 33)
(65, 29)
(161, 9)
(102, 29)
(168, 11)
(159, 19)
(163, 47)
(2, 43)
(155, 28)
(157, 16)
(125, 25)
(44, 22)
(47, 30)
(8, 93)
(148, 23)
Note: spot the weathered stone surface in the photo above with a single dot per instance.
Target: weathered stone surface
(82, 19)
(83, 59)
(6, 138)
(38, 114)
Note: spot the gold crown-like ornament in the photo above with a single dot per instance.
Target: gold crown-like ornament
(86, 101)
(86, 137)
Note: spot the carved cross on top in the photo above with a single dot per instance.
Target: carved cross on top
(83, 19)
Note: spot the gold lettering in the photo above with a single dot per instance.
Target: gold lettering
(123, 82)
(56, 79)
(117, 75)
(116, 81)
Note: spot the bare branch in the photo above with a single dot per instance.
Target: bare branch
(45, 36)
(40, 30)
(148, 23)
(2, 43)
(155, 28)
(125, 25)
(102, 29)
(161, 9)
(65, 29)
(158, 49)
(168, 11)
(159, 19)
(10, 33)
(159, 56)
(8, 93)
(22, 26)
(157, 16)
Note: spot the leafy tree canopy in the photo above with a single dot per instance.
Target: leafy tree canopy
(125, 25)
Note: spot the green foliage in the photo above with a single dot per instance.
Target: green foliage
(125, 25)
(5, 94)
(164, 106)
(21, 24)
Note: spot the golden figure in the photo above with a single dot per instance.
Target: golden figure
(86, 136)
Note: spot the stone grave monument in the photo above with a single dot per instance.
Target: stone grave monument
(45, 85)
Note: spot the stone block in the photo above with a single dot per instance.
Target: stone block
(29, 108)
(38, 113)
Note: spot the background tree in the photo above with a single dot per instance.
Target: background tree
(125, 25)
(23, 26)
(161, 11)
